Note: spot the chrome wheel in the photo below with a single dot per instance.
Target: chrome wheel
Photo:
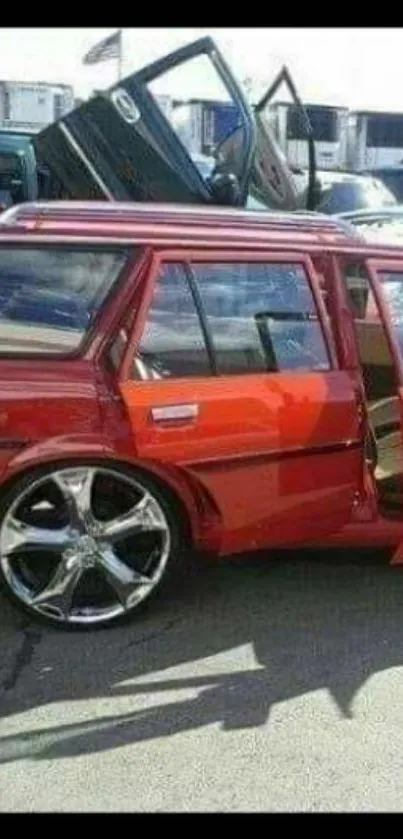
(84, 545)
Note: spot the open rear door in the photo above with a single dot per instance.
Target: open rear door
(130, 142)
(387, 274)
(387, 278)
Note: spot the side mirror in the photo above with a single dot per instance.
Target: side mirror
(226, 190)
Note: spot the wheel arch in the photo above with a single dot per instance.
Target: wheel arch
(200, 516)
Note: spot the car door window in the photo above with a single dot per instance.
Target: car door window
(172, 344)
(261, 316)
(230, 318)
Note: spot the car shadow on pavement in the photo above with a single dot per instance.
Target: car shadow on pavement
(313, 622)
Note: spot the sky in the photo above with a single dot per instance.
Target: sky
(357, 68)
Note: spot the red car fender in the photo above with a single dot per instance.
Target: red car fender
(203, 515)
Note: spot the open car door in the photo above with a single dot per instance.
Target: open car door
(272, 179)
(128, 142)
(272, 182)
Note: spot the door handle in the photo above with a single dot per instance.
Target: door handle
(172, 413)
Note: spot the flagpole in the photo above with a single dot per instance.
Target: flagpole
(120, 55)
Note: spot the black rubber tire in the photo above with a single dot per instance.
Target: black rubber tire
(179, 539)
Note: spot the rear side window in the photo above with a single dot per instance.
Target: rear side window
(50, 297)
(231, 318)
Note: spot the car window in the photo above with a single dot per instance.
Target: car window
(172, 344)
(223, 318)
(179, 92)
(341, 197)
(347, 196)
(49, 297)
(262, 317)
(230, 318)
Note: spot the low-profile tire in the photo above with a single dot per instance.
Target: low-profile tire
(88, 545)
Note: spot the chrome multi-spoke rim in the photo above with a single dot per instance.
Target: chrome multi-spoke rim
(84, 544)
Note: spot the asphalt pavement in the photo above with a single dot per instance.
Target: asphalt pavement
(267, 684)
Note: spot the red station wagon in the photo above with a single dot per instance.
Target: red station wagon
(179, 378)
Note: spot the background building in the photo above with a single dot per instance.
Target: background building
(32, 105)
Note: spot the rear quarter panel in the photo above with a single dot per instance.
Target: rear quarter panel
(43, 405)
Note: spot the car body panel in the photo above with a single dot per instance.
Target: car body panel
(267, 459)
(247, 450)
(68, 386)
(232, 444)
(339, 193)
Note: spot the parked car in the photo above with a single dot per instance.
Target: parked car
(130, 143)
(121, 144)
(376, 215)
(392, 177)
(384, 225)
(342, 192)
(175, 379)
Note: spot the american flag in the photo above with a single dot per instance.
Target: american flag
(103, 51)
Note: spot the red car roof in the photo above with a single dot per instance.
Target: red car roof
(170, 225)
(141, 220)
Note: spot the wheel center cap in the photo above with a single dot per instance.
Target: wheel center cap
(87, 544)
(87, 551)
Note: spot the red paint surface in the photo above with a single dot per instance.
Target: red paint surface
(271, 459)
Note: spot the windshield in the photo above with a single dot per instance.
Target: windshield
(347, 196)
